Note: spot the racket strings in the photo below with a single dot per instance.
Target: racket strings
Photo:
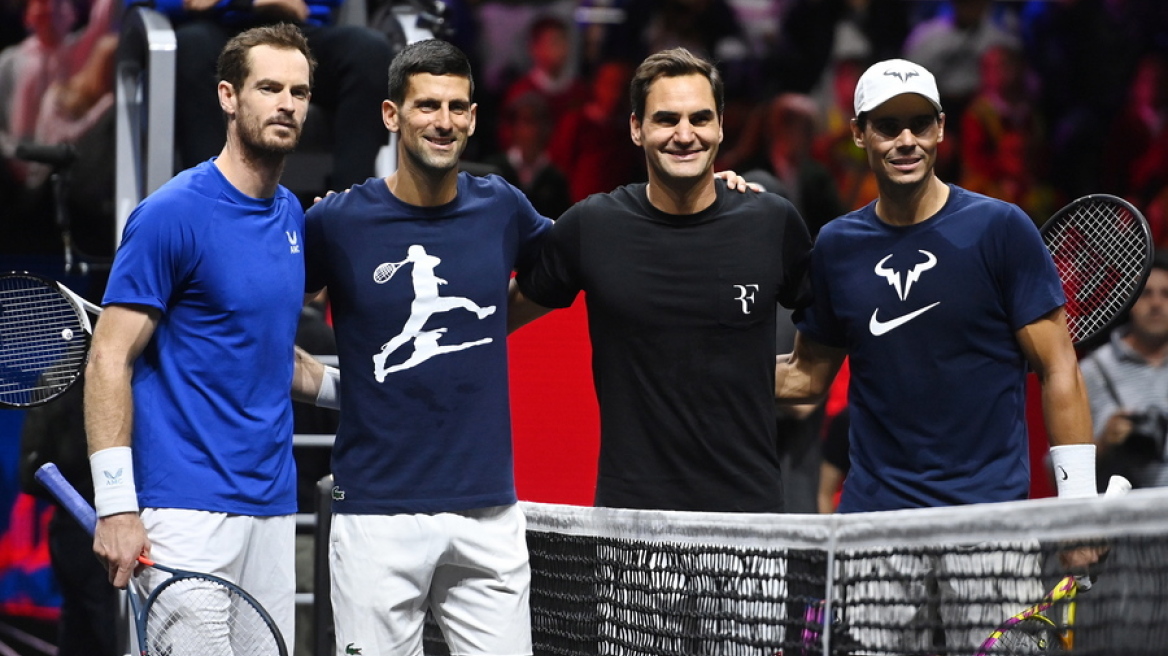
(43, 342)
(195, 616)
(1099, 250)
(1033, 635)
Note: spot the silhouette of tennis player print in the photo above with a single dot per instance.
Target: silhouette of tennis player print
(426, 303)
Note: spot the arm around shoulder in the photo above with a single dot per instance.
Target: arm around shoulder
(315, 382)
(520, 309)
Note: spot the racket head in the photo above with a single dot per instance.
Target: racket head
(1032, 631)
(44, 339)
(1031, 635)
(195, 614)
(385, 271)
(1102, 247)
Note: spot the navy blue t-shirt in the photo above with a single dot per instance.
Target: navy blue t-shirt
(928, 314)
(419, 300)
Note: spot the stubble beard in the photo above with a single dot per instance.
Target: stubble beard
(434, 165)
(256, 146)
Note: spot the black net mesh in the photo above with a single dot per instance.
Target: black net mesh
(925, 582)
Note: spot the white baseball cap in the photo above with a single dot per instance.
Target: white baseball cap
(890, 78)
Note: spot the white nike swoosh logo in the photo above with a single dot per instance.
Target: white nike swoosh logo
(879, 327)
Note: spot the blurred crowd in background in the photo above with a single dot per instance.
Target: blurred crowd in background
(1045, 100)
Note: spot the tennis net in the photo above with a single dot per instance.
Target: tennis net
(927, 582)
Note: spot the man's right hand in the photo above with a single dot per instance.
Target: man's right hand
(1116, 430)
(118, 541)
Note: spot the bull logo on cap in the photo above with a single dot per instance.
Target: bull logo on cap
(903, 76)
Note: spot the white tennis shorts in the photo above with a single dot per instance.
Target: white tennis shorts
(256, 553)
(469, 567)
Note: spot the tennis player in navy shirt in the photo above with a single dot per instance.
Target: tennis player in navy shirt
(941, 298)
(417, 266)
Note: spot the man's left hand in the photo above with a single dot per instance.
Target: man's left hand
(738, 183)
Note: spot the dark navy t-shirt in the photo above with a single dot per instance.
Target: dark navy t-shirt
(425, 417)
(928, 314)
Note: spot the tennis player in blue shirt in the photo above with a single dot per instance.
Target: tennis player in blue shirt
(190, 359)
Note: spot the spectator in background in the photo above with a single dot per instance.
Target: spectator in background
(1138, 132)
(707, 27)
(350, 77)
(1083, 51)
(1140, 142)
(526, 163)
(1003, 144)
(836, 149)
(951, 46)
(1127, 384)
(816, 32)
(785, 130)
(550, 76)
(591, 144)
(56, 86)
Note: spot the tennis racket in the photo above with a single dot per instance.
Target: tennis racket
(190, 613)
(1102, 247)
(44, 338)
(385, 271)
(1032, 631)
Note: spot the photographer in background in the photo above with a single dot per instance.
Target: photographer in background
(1127, 383)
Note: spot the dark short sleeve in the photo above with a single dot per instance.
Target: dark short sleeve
(554, 280)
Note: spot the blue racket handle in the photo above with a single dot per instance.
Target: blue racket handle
(50, 477)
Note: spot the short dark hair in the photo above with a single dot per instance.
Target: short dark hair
(433, 56)
(674, 62)
(234, 64)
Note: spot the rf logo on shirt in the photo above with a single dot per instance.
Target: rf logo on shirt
(746, 296)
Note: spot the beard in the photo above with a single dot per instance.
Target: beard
(257, 144)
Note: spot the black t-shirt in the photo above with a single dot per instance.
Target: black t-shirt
(681, 311)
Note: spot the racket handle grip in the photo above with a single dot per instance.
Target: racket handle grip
(50, 477)
(1117, 486)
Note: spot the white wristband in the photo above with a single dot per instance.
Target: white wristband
(1074, 470)
(113, 481)
(329, 395)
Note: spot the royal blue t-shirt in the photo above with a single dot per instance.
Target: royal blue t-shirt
(928, 314)
(419, 301)
(212, 408)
